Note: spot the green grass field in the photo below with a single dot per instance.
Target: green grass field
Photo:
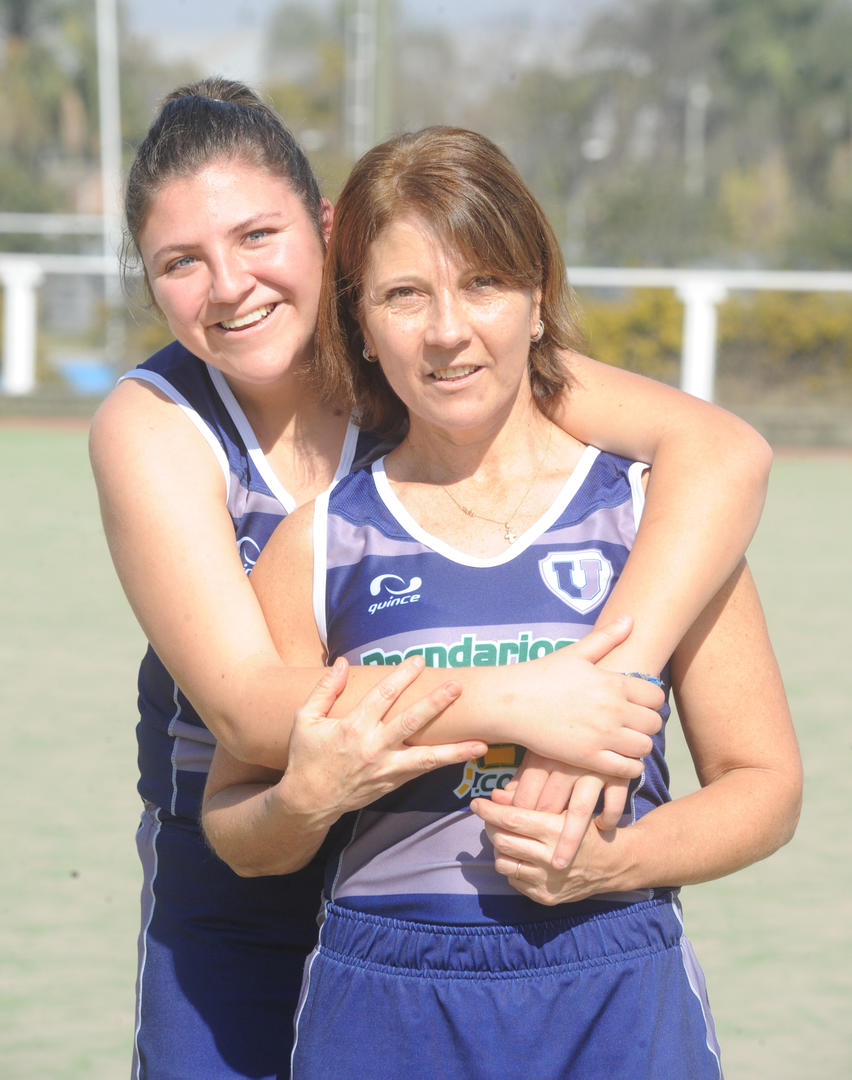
(774, 940)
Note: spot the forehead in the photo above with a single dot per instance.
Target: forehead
(225, 179)
(413, 238)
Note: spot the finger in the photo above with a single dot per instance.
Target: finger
(603, 639)
(378, 701)
(556, 793)
(631, 743)
(403, 725)
(579, 813)
(642, 692)
(615, 799)
(503, 796)
(323, 696)
(414, 761)
(531, 780)
(617, 765)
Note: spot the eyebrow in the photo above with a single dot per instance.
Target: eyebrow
(267, 216)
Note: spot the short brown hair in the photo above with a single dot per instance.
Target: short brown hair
(468, 191)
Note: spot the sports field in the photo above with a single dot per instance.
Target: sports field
(775, 939)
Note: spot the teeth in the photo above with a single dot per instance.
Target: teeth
(453, 373)
(247, 320)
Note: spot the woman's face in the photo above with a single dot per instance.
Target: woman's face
(234, 262)
(453, 341)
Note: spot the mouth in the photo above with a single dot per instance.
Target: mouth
(451, 374)
(242, 322)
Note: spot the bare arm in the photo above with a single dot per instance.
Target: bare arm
(172, 542)
(262, 822)
(704, 501)
(737, 723)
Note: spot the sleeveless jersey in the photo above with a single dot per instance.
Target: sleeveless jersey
(175, 747)
(385, 589)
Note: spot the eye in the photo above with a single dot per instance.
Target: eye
(483, 281)
(257, 235)
(180, 263)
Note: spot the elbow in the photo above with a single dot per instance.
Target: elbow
(787, 811)
(790, 820)
(756, 456)
(237, 738)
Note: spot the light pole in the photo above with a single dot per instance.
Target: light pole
(109, 112)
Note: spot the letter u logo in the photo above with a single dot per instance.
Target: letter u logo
(580, 579)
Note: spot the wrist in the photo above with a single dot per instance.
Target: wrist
(293, 802)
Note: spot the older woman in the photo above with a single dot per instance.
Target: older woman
(442, 314)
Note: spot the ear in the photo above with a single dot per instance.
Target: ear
(326, 218)
(535, 310)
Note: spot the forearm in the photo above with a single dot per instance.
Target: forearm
(259, 829)
(737, 820)
(561, 706)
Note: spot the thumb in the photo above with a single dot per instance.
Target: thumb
(603, 639)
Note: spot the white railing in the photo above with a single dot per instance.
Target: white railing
(701, 291)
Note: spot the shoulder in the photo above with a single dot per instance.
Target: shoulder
(139, 430)
(291, 540)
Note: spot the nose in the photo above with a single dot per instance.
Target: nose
(448, 324)
(230, 281)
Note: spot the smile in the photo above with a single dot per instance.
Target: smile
(448, 374)
(253, 317)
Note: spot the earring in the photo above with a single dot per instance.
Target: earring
(365, 352)
(539, 331)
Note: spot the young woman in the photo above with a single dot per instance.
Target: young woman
(200, 452)
(443, 296)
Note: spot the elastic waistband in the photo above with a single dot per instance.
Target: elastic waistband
(500, 951)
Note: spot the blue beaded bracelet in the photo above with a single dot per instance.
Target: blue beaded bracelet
(646, 677)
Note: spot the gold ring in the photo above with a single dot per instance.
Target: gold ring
(518, 871)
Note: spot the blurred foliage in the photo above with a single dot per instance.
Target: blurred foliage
(773, 348)
(679, 132)
(666, 132)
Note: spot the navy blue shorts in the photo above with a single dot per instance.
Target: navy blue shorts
(220, 960)
(616, 995)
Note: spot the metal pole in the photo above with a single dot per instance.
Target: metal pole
(109, 109)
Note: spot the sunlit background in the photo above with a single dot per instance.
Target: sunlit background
(695, 158)
(660, 135)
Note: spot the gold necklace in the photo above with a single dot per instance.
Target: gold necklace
(509, 535)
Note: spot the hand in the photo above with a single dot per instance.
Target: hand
(604, 720)
(556, 788)
(524, 844)
(344, 763)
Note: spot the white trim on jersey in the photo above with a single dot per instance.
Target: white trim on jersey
(249, 438)
(537, 529)
(162, 384)
(320, 546)
(635, 474)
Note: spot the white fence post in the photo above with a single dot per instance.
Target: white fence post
(20, 282)
(698, 357)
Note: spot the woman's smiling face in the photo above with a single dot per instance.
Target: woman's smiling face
(234, 263)
(453, 341)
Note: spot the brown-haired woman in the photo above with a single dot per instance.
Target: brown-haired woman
(503, 536)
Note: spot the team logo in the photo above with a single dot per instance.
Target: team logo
(249, 550)
(580, 579)
(396, 591)
(482, 775)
